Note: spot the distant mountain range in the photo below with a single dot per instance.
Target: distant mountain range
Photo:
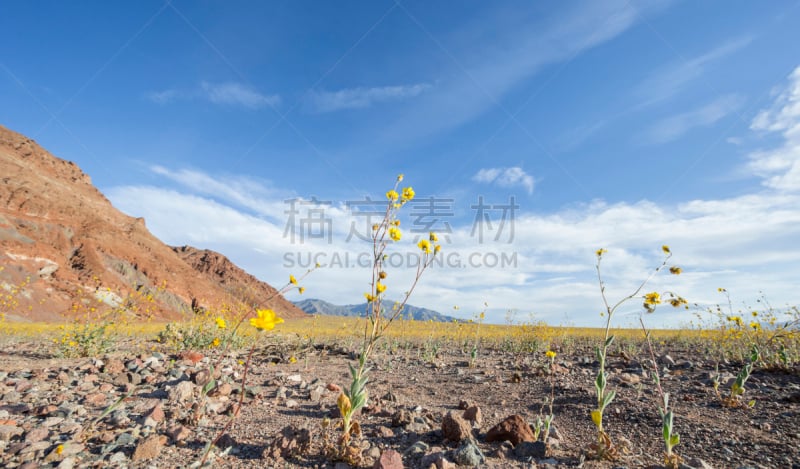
(316, 306)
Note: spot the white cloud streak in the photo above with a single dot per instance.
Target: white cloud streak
(671, 79)
(360, 98)
(675, 126)
(224, 94)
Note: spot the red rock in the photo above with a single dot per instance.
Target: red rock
(455, 428)
(96, 399)
(514, 429)
(474, 415)
(178, 433)
(156, 413)
(333, 387)
(390, 459)
(192, 357)
(148, 448)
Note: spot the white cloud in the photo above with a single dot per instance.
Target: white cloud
(668, 81)
(358, 98)
(506, 177)
(237, 94)
(673, 127)
(225, 94)
(780, 167)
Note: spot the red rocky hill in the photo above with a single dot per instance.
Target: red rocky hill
(66, 251)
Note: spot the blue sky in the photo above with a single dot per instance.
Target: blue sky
(624, 125)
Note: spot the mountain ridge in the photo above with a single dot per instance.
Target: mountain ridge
(318, 306)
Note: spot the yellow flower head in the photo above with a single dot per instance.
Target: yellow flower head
(652, 299)
(399, 177)
(375, 227)
(266, 320)
(436, 249)
(425, 246)
(675, 270)
(380, 287)
(221, 323)
(392, 195)
(395, 234)
(408, 193)
(433, 237)
(550, 354)
(370, 298)
(59, 449)
(215, 342)
(292, 280)
(755, 325)
(665, 248)
(382, 275)
(301, 290)
(600, 252)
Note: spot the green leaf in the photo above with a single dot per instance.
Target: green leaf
(609, 341)
(609, 397)
(674, 440)
(209, 386)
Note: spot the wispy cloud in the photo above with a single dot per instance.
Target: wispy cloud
(359, 98)
(673, 127)
(480, 77)
(780, 167)
(506, 177)
(671, 79)
(224, 94)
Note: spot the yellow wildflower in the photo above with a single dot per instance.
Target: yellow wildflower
(436, 249)
(652, 298)
(380, 287)
(433, 237)
(59, 449)
(408, 193)
(382, 275)
(301, 290)
(754, 313)
(399, 177)
(266, 320)
(755, 325)
(215, 342)
(395, 234)
(675, 270)
(292, 280)
(600, 252)
(392, 195)
(550, 354)
(665, 248)
(425, 246)
(221, 323)
(370, 298)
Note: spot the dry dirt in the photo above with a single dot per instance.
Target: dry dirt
(165, 422)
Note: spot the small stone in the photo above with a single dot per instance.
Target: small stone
(224, 389)
(316, 394)
(417, 449)
(113, 366)
(333, 387)
(474, 415)
(468, 455)
(156, 413)
(97, 399)
(291, 404)
(389, 459)
(9, 431)
(435, 460)
(528, 449)
(178, 433)
(513, 429)
(148, 448)
(37, 434)
(201, 378)
(455, 428)
(294, 378)
(182, 392)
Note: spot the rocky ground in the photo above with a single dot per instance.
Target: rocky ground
(424, 413)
